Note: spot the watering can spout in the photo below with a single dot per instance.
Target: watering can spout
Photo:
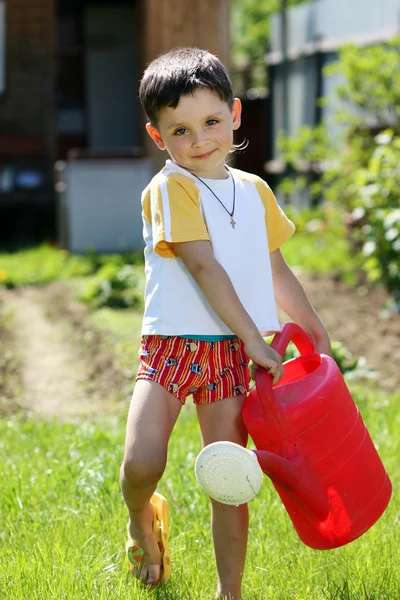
(296, 477)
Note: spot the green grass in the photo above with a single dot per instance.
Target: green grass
(45, 263)
(320, 244)
(325, 253)
(322, 249)
(63, 520)
(40, 264)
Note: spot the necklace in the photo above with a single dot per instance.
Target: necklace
(233, 222)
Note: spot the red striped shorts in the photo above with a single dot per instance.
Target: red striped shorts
(210, 371)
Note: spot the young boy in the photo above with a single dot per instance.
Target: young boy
(213, 273)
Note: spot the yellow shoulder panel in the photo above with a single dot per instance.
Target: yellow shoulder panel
(279, 227)
(175, 213)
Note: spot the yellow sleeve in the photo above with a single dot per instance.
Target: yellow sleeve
(175, 213)
(279, 227)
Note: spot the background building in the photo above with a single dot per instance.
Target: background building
(69, 72)
(315, 32)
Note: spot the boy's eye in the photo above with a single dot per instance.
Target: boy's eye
(180, 131)
(212, 121)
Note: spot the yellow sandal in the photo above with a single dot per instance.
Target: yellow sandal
(135, 552)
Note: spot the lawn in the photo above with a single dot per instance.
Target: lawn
(63, 520)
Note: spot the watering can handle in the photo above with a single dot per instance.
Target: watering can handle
(292, 332)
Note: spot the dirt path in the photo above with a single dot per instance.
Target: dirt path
(65, 375)
(67, 369)
(53, 376)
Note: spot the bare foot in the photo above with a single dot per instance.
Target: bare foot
(141, 534)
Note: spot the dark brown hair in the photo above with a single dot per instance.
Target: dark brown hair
(180, 72)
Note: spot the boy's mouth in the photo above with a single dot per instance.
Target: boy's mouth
(206, 155)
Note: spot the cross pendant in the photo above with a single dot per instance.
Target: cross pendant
(233, 223)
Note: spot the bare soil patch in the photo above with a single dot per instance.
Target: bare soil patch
(362, 323)
(68, 368)
(9, 364)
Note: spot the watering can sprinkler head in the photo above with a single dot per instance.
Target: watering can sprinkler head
(232, 474)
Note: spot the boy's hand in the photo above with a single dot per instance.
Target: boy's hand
(264, 356)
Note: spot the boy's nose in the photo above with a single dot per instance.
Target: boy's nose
(198, 139)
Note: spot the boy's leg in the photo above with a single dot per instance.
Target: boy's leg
(222, 421)
(152, 415)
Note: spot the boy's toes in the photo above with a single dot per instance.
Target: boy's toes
(148, 568)
(151, 574)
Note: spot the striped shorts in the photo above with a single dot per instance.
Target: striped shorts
(209, 371)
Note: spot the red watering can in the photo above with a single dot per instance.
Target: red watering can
(312, 442)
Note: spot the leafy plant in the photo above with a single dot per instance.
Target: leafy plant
(379, 207)
(350, 366)
(41, 264)
(250, 36)
(45, 263)
(114, 286)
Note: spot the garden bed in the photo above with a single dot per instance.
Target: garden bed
(363, 323)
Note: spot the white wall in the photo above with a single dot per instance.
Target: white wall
(100, 208)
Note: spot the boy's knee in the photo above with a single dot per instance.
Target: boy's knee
(142, 472)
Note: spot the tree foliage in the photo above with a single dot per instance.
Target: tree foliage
(362, 171)
(250, 28)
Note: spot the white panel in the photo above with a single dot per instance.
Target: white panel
(103, 204)
(336, 19)
(344, 19)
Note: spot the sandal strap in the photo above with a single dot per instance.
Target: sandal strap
(136, 552)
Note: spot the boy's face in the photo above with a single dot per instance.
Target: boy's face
(198, 133)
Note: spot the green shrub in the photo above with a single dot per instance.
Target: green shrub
(378, 207)
(349, 365)
(39, 265)
(114, 286)
(45, 263)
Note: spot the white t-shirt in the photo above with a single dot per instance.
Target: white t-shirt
(177, 207)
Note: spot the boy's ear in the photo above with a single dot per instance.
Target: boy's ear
(236, 113)
(155, 136)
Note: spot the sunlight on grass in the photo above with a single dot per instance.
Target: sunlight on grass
(41, 264)
(322, 249)
(319, 252)
(63, 520)
(45, 263)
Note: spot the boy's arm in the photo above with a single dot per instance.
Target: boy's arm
(217, 287)
(291, 297)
